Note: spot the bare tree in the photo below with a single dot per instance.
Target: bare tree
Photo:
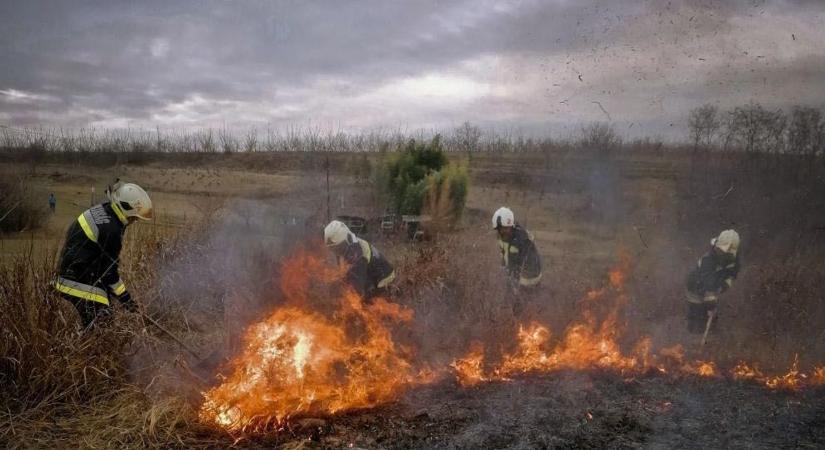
(806, 137)
(599, 136)
(206, 141)
(251, 140)
(467, 137)
(228, 142)
(806, 131)
(704, 125)
(757, 130)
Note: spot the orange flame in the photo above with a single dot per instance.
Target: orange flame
(790, 380)
(592, 342)
(818, 375)
(470, 369)
(586, 344)
(301, 362)
(743, 371)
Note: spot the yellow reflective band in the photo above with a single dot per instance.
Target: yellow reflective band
(524, 281)
(387, 280)
(118, 288)
(365, 249)
(81, 219)
(119, 213)
(693, 298)
(91, 296)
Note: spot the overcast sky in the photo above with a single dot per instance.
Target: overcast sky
(535, 66)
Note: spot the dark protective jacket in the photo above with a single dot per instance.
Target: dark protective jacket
(89, 262)
(520, 257)
(714, 273)
(369, 270)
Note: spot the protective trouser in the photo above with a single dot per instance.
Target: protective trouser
(697, 314)
(90, 312)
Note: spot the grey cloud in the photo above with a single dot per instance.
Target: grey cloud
(134, 60)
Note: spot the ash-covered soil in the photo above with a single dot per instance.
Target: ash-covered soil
(575, 410)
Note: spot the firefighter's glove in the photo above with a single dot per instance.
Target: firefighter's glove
(125, 299)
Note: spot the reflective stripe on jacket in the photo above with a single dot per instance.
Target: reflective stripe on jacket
(521, 257)
(714, 273)
(368, 267)
(89, 261)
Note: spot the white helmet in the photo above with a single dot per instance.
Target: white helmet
(728, 241)
(503, 217)
(337, 232)
(132, 199)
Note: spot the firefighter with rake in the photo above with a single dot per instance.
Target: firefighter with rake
(519, 257)
(714, 274)
(88, 275)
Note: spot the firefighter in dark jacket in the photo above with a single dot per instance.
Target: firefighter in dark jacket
(88, 273)
(714, 274)
(519, 255)
(369, 273)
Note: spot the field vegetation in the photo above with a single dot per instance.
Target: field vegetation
(231, 207)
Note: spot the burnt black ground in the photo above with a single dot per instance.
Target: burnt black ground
(589, 410)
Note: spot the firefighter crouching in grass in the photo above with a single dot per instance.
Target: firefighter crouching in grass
(88, 273)
(714, 274)
(519, 256)
(369, 274)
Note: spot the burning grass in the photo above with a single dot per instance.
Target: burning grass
(593, 342)
(301, 362)
(323, 352)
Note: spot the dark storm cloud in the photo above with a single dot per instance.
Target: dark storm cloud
(378, 63)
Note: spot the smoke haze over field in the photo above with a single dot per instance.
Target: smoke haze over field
(533, 66)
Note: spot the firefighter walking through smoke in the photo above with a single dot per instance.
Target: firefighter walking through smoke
(714, 274)
(369, 273)
(519, 256)
(88, 275)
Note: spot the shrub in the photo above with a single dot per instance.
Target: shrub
(20, 207)
(446, 194)
(407, 171)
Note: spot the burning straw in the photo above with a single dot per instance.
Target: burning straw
(592, 342)
(300, 362)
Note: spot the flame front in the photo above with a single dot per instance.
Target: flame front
(592, 342)
(589, 343)
(297, 361)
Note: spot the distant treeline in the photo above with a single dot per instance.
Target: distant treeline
(753, 128)
(749, 128)
(465, 138)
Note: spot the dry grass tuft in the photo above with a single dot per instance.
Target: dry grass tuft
(60, 387)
